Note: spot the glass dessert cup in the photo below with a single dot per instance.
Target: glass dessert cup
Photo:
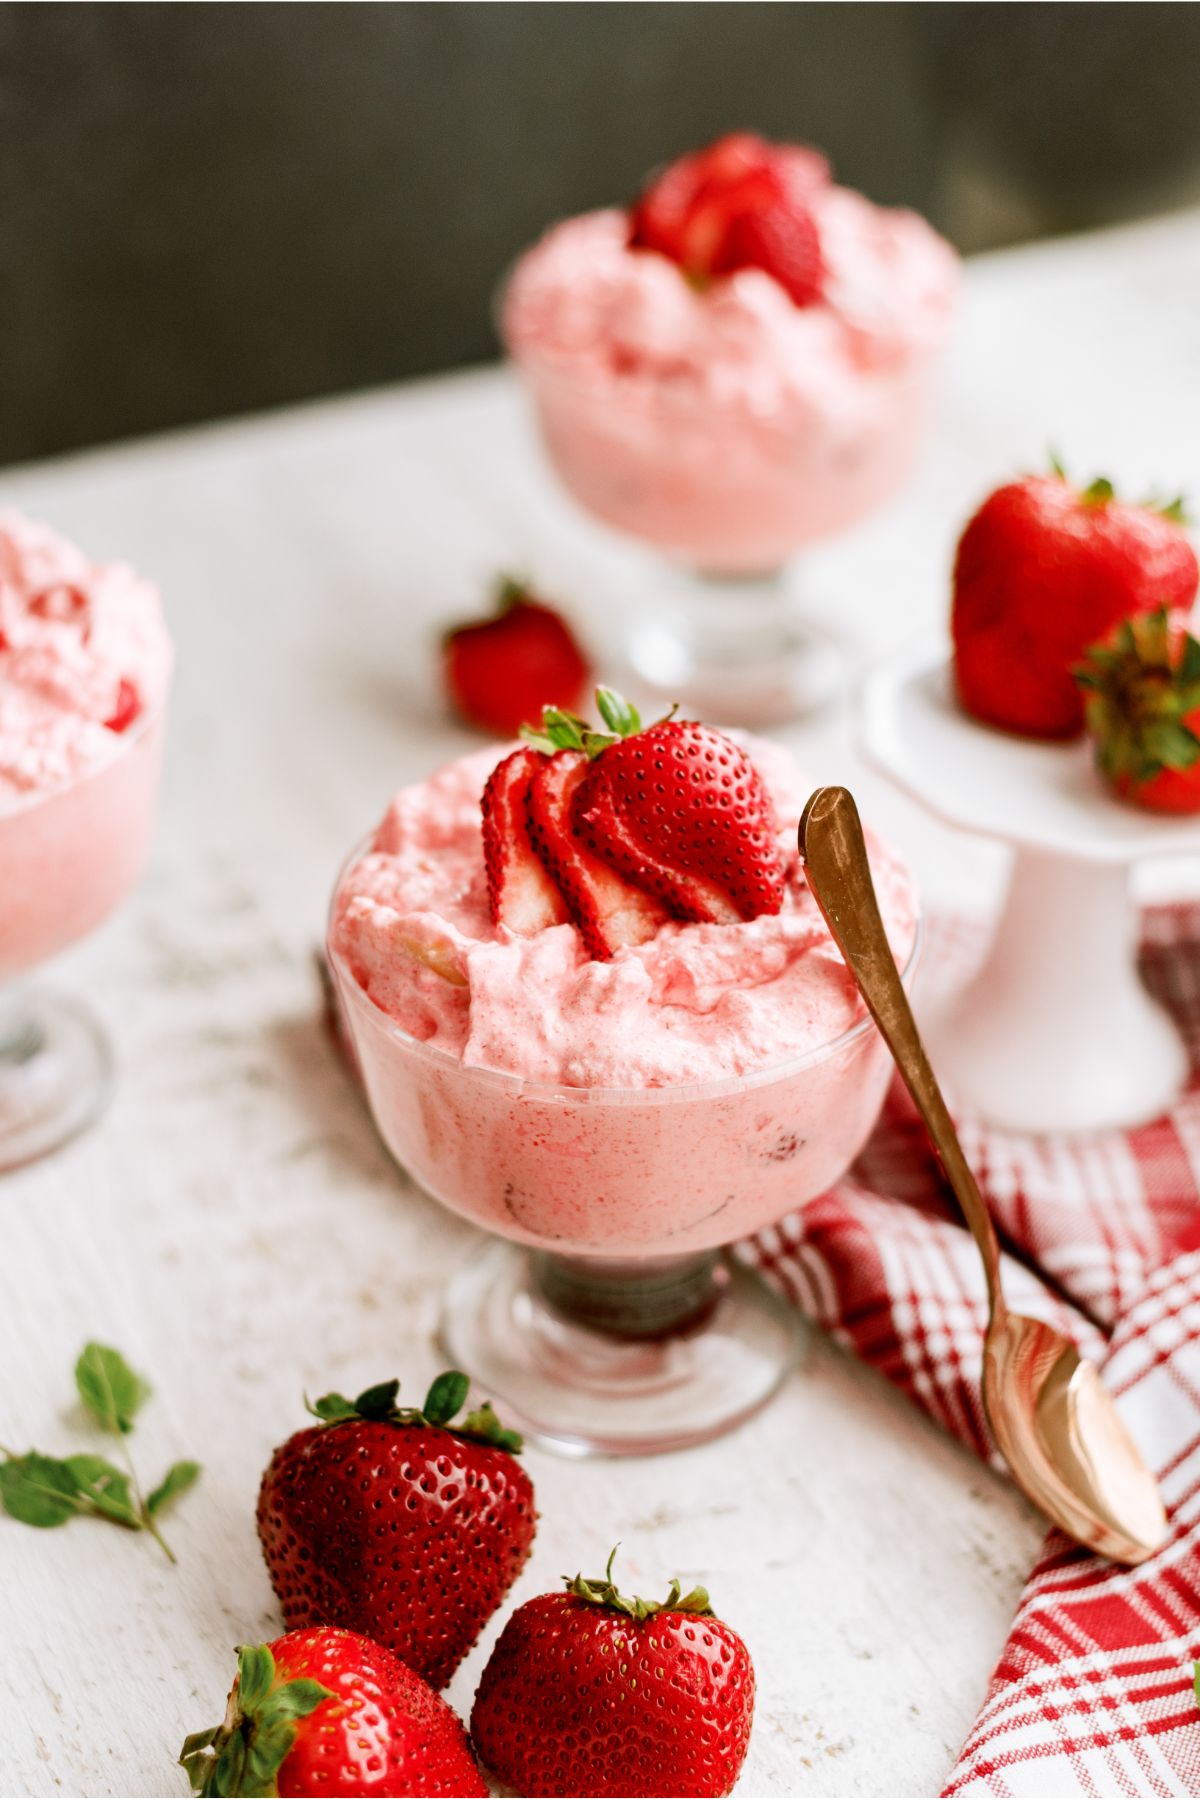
(68, 857)
(728, 497)
(603, 1314)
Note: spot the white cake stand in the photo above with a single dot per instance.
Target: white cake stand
(1056, 1031)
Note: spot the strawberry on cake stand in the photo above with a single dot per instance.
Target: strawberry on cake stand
(1060, 604)
(739, 365)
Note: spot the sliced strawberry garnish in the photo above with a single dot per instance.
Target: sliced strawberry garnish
(742, 203)
(520, 892)
(600, 820)
(609, 912)
(682, 809)
(783, 240)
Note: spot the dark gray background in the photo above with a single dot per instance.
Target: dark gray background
(210, 208)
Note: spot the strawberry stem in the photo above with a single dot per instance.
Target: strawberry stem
(606, 1593)
(446, 1397)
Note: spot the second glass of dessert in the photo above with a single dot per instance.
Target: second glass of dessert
(742, 363)
(596, 1011)
(85, 667)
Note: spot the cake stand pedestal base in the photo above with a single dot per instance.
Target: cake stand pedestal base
(1056, 1031)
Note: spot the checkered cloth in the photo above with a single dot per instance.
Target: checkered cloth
(1093, 1693)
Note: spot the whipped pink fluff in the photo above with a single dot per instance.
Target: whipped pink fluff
(84, 654)
(697, 1003)
(727, 425)
(582, 299)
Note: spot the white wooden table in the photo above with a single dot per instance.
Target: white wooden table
(233, 1224)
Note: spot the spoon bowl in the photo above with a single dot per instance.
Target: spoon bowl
(1062, 1437)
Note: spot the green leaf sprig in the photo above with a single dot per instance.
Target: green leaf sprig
(45, 1491)
(446, 1398)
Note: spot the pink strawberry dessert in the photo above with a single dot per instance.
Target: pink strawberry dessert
(739, 363)
(85, 664)
(594, 1002)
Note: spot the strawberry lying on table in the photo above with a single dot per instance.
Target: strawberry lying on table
(505, 668)
(591, 1692)
(329, 1713)
(396, 1522)
(1043, 571)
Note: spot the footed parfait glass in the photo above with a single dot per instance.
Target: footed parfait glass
(68, 857)
(728, 499)
(602, 1310)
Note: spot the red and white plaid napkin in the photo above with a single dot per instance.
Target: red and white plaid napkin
(1093, 1692)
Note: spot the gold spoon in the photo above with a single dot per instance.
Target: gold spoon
(1054, 1421)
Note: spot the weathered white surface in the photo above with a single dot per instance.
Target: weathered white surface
(232, 1223)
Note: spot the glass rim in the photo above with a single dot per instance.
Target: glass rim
(130, 739)
(662, 1093)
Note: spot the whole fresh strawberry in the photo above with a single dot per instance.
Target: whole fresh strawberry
(392, 1522)
(504, 669)
(1042, 571)
(587, 1692)
(741, 203)
(328, 1712)
(1141, 695)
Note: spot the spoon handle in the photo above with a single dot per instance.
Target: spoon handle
(835, 854)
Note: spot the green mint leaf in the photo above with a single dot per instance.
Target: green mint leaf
(377, 1402)
(109, 1388)
(177, 1480)
(38, 1490)
(331, 1407)
(619, 714)
(296, 1699)
(256, 1674)
(483, 1425)
(446, 1397)
(107, 1487)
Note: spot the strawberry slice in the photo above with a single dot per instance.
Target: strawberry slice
(608, 911)
(680, 809)
(742, 203)
(521, 894)
(600, 821)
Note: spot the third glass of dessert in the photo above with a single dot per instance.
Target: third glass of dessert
(740, 364)
(596, 1011)
(85, 666)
